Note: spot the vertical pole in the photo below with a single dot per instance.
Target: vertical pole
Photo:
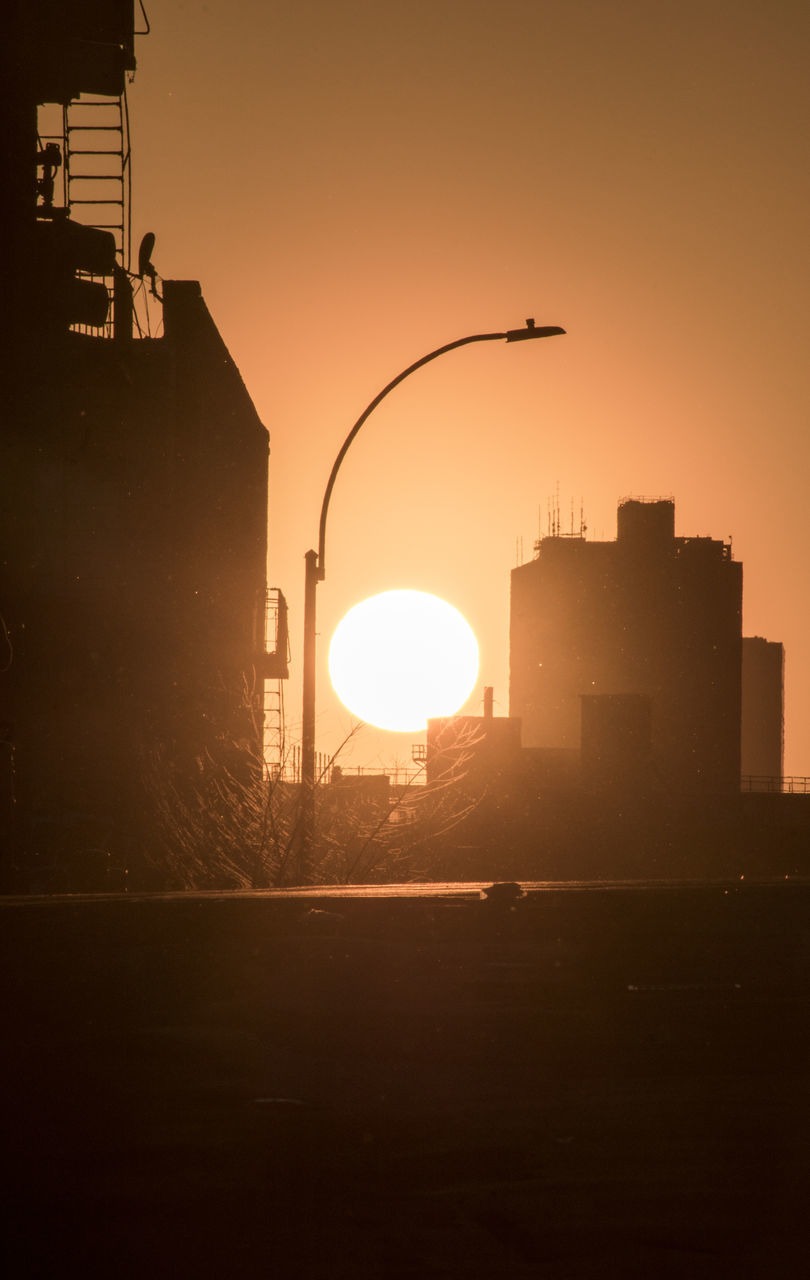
(122, 306)
(308, 716)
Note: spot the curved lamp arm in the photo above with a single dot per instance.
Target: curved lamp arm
(511, 335)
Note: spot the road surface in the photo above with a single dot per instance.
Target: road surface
(589, 1081)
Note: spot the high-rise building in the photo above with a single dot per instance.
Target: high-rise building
(650, 614)
(763, 665)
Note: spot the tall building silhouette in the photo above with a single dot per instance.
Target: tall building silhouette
(763, 741)
(650, 614)
(133, 591)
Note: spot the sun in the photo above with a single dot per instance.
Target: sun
(400, 657)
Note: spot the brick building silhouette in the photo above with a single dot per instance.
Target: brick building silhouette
(133, 590)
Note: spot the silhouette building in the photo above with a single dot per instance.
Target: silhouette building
(133, 593)
(631, 690)
(639, 641)
(763, 665)
(476, 752)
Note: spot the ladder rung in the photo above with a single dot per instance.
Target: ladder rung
(75, 152)
(80, 201)
(95, 128)
(95, 177)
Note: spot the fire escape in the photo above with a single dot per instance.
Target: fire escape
(274, 670)
(97, 167)
(83, 188)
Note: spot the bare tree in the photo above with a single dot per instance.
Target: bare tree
(227, 825)
(398, 840)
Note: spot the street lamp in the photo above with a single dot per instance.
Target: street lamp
(316, 572)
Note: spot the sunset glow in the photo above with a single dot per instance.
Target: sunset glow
(400, 657)
(654, 204)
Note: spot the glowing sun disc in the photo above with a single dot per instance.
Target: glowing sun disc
(400, 657)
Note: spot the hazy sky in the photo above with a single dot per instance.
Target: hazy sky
(356, 183)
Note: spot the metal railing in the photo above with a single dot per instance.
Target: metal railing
(289, 770)
(793, 785)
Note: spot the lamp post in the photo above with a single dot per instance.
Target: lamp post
(316, 572)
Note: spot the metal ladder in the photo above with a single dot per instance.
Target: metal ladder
(275, 747)
(97, 168)
(272, 644)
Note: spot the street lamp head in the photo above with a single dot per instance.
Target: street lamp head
(533, 331)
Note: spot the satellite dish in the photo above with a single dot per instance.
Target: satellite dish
(145, 267)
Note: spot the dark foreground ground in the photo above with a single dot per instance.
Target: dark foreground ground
(603, 1082)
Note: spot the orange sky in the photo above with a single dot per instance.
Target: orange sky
(355, 183)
